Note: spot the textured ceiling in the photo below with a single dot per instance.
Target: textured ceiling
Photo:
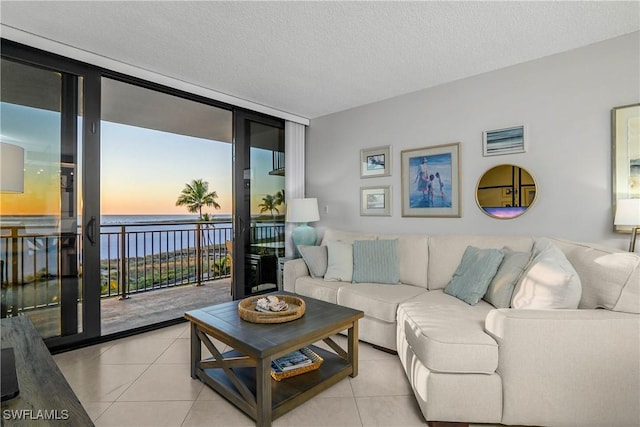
(316, 58)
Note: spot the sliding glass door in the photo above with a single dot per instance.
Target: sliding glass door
(42, 232)
(260, 203)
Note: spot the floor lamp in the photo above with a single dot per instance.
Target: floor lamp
(628, 214)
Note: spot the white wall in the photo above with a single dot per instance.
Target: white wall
(565, 100)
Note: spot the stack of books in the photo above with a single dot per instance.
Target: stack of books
(302, 360)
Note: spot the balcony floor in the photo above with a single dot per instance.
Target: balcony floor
(141, 309)
(156, 306)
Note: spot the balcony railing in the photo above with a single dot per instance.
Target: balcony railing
(135, 257)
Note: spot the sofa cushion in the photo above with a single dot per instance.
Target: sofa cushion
(448, 334)
(504, 282)
(340, 262)
(316, 259)
(318, 288)
(412, 254)
(445, 253)
(610, 278)
(474, 274)
(376, 261)
(549, 282)
(375, 299)
(345, 236)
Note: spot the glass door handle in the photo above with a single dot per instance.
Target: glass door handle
(91, 231)
(240, 226)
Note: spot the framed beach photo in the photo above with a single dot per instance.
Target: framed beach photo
(625, 135)
(375, 162)
(504, 141)
(431, 181)
(375, 201)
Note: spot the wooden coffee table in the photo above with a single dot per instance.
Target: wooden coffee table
(243, 375)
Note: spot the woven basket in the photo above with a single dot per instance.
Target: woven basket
(317, 361)
(247, 310)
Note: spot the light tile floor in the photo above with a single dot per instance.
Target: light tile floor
(145, 380)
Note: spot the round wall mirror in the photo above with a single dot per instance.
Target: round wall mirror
(506, 191)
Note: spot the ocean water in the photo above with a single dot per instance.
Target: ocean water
(144, 234)
(154, 234)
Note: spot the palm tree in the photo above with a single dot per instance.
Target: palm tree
(196, 195)
(279, 198)
(268, 204)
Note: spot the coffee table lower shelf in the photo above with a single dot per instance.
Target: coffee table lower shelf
(287, 393)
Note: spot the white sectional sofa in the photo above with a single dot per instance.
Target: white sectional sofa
(514, 366)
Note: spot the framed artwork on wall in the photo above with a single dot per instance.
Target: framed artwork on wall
(375, 201)
(375, 162)
(625, 136)
(504, 141)
(431, 181)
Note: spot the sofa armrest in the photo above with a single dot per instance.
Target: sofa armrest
(292, 270)
(568, 367)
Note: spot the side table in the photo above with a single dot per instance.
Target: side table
(281, 261)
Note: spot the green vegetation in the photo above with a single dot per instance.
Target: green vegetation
(166, 270)
(196, 195)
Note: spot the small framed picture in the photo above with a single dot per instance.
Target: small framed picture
(504, 141)
(375, 201)
(375, 162)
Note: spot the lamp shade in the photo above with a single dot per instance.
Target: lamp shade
(12, 168)
(302, 210)
(627, 212)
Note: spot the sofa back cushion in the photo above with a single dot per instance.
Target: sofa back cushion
(413, 257)
(610, 278)
(345, 236)
(445, 253)
(412, 252)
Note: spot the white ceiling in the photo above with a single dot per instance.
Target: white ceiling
(315, 58)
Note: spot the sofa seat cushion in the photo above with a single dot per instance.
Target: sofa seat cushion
(377, 300)
(318, 288)
(447, 334)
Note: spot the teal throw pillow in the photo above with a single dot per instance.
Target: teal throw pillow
(474, 274)
(376, 261)
(504, 282)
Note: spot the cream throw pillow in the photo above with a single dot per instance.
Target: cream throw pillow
(340, 262)
(550, 281)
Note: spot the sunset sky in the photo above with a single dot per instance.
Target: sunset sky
(142, 170)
